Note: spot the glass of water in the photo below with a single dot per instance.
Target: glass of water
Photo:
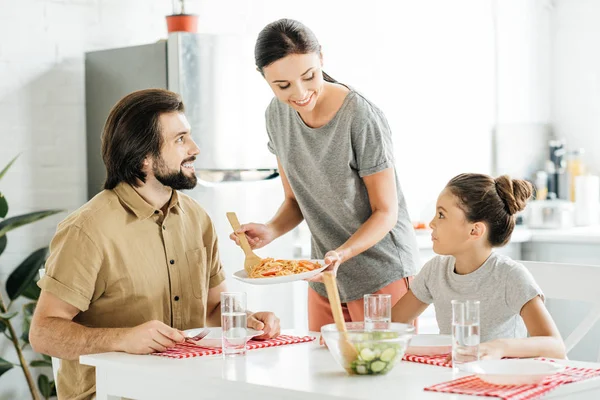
(378, 311)
(465, 332)
(233, 323)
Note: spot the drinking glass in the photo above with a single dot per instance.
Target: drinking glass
(465, 332)
(378, 311)
(233, 323)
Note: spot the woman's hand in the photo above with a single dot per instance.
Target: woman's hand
(333, 259)
(259, 235)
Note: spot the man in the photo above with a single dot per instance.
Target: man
(139, 262)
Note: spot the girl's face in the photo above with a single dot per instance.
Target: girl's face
(296, 80)
(452, 233)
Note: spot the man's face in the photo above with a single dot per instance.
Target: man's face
(175, 166)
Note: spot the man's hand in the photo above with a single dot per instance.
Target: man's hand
(266, 322)
(150, 337)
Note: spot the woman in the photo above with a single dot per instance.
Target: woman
(334, 153)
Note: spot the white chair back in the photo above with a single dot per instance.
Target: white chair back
(55, 361)
(570, 282)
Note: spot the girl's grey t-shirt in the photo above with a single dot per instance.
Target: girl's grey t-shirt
(502, 285)
(325, 167)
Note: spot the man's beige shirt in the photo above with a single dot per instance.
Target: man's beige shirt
(122, 263)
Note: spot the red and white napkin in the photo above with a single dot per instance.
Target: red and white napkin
(471, 385)
(438, 360)
(189, 350)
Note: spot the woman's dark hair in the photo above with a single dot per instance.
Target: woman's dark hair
(282, 38)
(492, 201)
(132, 133)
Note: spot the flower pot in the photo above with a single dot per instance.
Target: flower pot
(182, 23)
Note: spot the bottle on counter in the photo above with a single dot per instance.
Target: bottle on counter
(541, 185)
(575, 167)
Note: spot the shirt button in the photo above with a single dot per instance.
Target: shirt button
(172, 262)
(176, 298)
(155, 211)
(164, 227)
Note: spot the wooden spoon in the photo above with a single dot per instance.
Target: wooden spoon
(349, 352)
(251, 258)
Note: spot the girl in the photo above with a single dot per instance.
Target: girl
(474, 214)
(334, 152)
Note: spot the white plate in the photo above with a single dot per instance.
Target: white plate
(213, 339)
(243, 276)
(429, 345)
(512, 371)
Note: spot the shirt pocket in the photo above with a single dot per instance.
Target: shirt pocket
(196, 260)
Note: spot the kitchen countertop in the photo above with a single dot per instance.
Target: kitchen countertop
(522, 234)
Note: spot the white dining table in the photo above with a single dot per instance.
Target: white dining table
(297, 371)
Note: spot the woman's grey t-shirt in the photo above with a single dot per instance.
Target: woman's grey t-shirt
(325, 167)
(502, 285)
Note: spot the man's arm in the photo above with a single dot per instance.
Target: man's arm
(213, 305)
(54, 333)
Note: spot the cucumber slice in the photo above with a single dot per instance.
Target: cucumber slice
(388, 355)
(367, 354)
(377, 366)
(361, 369)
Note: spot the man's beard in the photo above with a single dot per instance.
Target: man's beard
(175, 180)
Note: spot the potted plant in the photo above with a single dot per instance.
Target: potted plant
(21, 283)
(179, 21)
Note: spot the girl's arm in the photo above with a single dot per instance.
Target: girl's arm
(408, 308)
(544, 340)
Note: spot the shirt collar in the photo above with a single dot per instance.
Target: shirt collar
(136, 203)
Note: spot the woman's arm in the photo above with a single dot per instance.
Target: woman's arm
(383, 199)
(544, 340)
(288, 216)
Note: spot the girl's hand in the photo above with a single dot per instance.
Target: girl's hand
(259, 235)
(332, 259)
(493, 350)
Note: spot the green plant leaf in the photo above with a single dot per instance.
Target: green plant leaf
(14, 222)
(44, 386)
(41, 363)
(6, 316)
(25, 273)
(3, 241)
(8, 166)
(32, 291)
(5, 366)
(28, 310)
(3, 206)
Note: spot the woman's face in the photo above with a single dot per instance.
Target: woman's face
(296, 80)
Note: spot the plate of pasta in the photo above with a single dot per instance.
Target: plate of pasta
(271, 271)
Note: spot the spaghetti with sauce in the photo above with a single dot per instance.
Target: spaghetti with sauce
(269, 267)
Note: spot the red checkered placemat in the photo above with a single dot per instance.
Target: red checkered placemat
(472, 385)
(439, 360)
(189, 350)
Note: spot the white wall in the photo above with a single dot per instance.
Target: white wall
(576, 76)
(428, 64)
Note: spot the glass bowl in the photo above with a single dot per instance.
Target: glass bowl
(368, 351)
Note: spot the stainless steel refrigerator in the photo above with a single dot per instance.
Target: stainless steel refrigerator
(225, 99)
